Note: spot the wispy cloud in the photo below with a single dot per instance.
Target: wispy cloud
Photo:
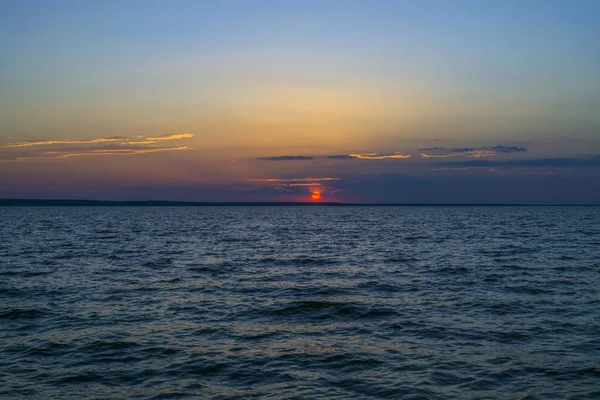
(501, 170)
(369, 156)
(171, 136)
(378, 156)
(297, 185)
(114, 145)
(476, 152)
(286, 158)
(89, 152)
(113, 139)
(28, 143)
(351, 156)
(538, 162)
(124, 152)
(275, 180)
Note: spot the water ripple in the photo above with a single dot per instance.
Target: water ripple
(300, 303)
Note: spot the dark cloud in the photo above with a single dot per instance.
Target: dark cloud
(576, 188)
(508, 149)
(340, 157)
(538, 162)
(353, 156)
(442, 152)
(286, 158)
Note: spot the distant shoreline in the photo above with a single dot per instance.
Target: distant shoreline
(161, 203)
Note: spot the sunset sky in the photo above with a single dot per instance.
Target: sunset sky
(363, 101)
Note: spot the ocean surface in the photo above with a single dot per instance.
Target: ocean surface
(300, 302)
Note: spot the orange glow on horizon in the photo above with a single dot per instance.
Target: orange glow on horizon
(316, 196)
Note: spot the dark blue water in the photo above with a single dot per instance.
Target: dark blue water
(300, 303)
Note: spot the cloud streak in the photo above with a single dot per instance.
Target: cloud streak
(93, 152)
(113, 139)
(275, 180)
(379, 156)
(368, 156)
(114, 145)
(28, 143)
(475, 152)
(170, 136)
(286, 158)
(352, 156)
(538, 162)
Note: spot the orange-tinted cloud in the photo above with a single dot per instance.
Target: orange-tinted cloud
(113, 139)
(369, 156)
(28, 143)
(378, 156)
(94, 152)
(171, 136)
(364, 156)
(115, 145)
(275, 180)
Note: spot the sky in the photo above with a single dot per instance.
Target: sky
(422, 101)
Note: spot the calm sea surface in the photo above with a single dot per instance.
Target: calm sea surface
(300, 302)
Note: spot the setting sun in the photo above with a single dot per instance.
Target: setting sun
(316, 196)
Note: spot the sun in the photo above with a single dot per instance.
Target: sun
(316, 195)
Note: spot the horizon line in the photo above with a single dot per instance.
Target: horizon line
(173, 203)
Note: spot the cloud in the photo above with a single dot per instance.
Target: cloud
(378, 156)
(369, 156)
(286, 158)
(171, 136)
(296, 186)
(28, 143)
(90, 152)
(275, 180)
(114, 145)
(352, 156)
(538, 162)
(476, 152)
(114, 139)
(142, 142)
(474, 188)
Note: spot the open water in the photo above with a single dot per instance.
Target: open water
(300, 302)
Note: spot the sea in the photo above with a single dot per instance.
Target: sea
(487, 302)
